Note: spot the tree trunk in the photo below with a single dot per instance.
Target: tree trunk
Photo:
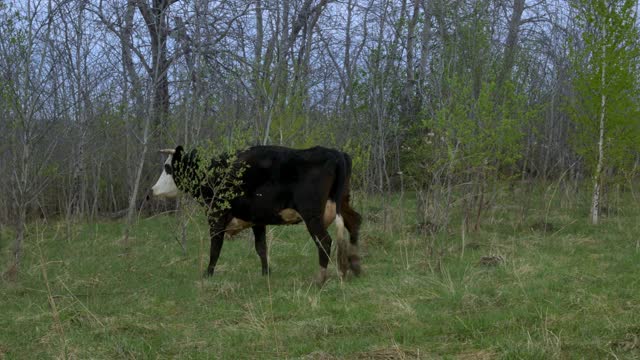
(133, 199)
(408, 107)
(156, 20)
(511, 45)
(597, 177)
(79, 187)
(424, 44)
(258, 92)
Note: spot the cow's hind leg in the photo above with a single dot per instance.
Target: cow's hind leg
(352, 221)
(259, 231)
(323, 242)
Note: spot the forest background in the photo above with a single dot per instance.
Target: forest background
(451, 100)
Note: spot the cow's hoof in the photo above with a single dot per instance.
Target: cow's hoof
(266, 271)
(321, 278)
(207, 273)
(343, 271)
(355, 267)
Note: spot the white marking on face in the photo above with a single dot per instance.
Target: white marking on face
(165, 186)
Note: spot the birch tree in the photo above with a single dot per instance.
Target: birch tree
(606, 84)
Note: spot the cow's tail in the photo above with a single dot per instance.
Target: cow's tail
(343, 171)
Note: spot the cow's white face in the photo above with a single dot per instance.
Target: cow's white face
(165, 186)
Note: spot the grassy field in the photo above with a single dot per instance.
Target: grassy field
(508, 291)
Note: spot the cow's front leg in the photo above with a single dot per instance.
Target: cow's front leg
(216, 231)
(259, 231)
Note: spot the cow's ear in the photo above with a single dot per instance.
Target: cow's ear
(178, 154)
(193, 155)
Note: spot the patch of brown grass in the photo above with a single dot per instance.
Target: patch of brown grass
(390, 353)
(476, 355)
(630, 341)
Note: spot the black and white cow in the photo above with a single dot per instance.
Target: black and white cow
(278, 186)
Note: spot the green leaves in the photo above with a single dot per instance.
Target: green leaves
(605, 63)
(212, 177)
(485, 132)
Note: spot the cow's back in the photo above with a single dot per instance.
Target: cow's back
(279, 178)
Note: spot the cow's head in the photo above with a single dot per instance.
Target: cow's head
(166, 184)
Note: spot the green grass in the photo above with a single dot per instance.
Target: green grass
(573, 292)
